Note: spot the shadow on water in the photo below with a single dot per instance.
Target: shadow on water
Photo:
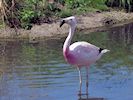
(91, 99)
(86, 97)
(39, 72)
(122, 34)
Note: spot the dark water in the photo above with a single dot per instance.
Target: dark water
(39, 72)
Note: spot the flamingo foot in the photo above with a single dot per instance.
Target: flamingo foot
(79, 93)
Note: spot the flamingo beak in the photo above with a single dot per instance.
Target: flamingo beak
(62, 22)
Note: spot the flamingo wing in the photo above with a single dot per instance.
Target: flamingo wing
(84, 52)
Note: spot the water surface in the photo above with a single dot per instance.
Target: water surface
(39, 72)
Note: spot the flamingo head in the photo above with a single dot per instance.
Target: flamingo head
(69, 20)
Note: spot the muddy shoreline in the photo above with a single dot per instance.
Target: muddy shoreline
(98, 21)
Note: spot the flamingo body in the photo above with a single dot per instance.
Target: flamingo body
(80, 53)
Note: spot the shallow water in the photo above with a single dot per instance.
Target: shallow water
(39, 72)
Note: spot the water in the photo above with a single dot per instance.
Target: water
(39, 72)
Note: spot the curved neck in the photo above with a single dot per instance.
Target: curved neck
(69, 38)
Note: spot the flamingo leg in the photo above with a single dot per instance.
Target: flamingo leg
(80, 81)
(87, 79)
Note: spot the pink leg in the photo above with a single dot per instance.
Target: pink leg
(87, 79)
(80, 81)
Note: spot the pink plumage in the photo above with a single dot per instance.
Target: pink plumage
(80, 53)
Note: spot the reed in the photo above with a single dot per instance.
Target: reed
(126, 4)
(3, 10)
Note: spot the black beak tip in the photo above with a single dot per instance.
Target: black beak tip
(62, 22)
(60, 25)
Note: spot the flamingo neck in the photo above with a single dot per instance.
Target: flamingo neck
(69, 38)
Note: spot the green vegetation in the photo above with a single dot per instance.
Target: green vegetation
(126, 4)
(22, 14)
(25, 13)
(82, 6)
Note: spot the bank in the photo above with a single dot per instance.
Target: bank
(96, 21)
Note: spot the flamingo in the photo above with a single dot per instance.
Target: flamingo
(80, 53)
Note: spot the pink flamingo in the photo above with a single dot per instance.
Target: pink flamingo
(80, 53)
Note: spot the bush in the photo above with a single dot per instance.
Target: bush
(65, 13)
(28, 12)
(125, 4)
